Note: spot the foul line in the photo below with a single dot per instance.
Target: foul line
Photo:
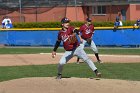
(133, 56)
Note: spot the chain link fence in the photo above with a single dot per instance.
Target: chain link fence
(41, 6)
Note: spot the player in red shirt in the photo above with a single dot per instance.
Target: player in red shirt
(87, 31)
(70, 43)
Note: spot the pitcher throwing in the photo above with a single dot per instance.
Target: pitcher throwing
(71, 45)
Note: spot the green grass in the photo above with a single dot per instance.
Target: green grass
(28, 50)
(120, 51)
(125, 71)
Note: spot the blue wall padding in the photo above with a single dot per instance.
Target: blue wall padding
(48, 38)
(120, 37)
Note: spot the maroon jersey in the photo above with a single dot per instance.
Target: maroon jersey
(70, 42)
(86, 32)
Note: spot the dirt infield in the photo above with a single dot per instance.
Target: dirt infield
(45, 58)
(65, 85)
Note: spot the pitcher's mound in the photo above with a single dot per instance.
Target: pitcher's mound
(68, 85)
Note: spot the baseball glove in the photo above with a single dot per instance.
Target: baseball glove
(72, 38)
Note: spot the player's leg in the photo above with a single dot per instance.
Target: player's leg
(82, 45)
(82, 55)
(77, 60)
(64, 59)
(95, 50)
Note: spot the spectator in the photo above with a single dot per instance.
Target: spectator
(119, 16)
(117, 23)
(137, 24)
(5, 21)
(8, 25)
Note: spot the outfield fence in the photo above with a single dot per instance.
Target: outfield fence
(45, 37)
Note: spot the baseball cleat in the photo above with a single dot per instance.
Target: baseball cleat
(59, 76)
(100, 61)
(98, 75)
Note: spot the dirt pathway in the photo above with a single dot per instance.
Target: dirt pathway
(45, 58)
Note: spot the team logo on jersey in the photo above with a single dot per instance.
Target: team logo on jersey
(87, 31)
(69, 38)
(65, 37)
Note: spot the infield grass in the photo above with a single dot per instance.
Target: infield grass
(125, 71)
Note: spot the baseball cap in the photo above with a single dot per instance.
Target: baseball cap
(88, 20)
(65, 20)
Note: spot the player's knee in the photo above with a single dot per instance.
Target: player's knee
(62, 62)
(86, 59)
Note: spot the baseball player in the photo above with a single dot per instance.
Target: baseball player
(71, 45)
(87, 31)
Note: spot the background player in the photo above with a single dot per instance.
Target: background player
(87, 31)
(70, 43)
